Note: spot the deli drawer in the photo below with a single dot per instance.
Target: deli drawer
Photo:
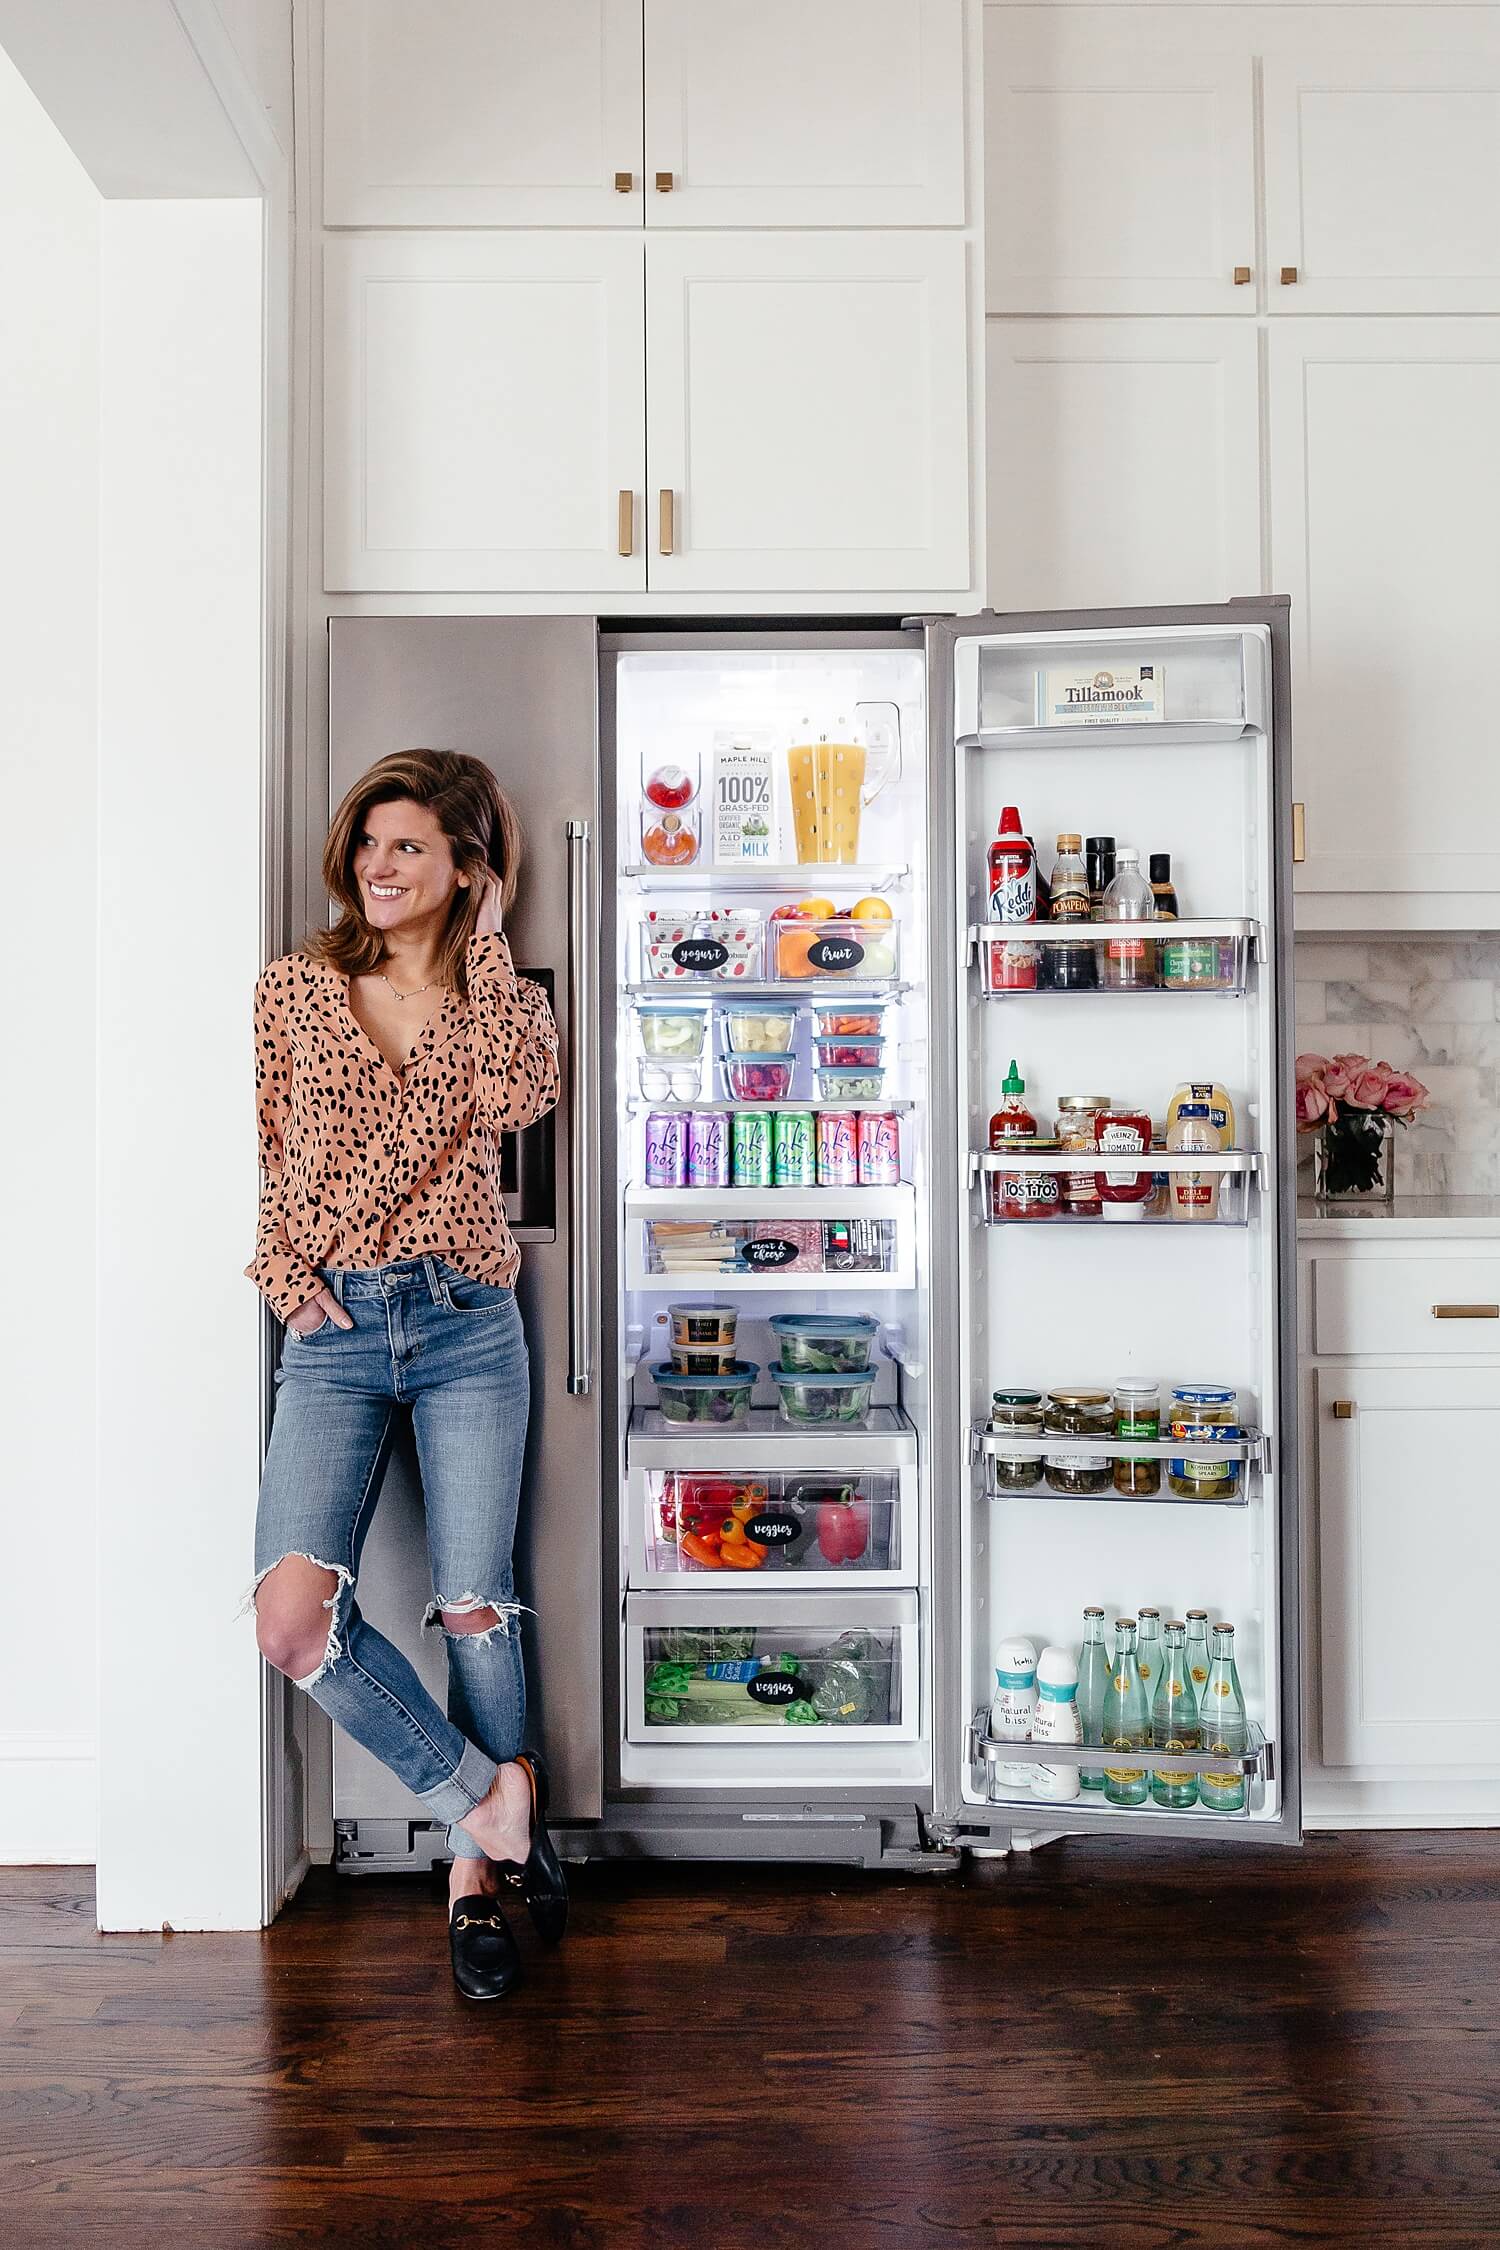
(1445, 1306)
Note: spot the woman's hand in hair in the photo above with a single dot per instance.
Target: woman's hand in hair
(325, 1306)
(491, 906)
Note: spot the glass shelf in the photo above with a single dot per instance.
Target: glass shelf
(1248, 1446)
(1257, 1760)
(766, 1441)
(1216, 954)
(815, 989)
(1234, 1168)
(871, 878)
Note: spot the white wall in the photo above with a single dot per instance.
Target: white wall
(181, 678)
(49, 523)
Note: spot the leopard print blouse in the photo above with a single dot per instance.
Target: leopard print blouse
(362, 1165)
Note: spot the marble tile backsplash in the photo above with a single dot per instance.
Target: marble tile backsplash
(1431, 1005)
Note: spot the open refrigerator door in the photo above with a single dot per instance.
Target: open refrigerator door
(766, 965)
(1149, 1298)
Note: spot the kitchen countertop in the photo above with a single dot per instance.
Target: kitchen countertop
(1477, 1216)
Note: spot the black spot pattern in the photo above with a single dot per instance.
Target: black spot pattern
(363, 1165)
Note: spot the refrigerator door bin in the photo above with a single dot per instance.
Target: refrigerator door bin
(770, 1238)
(1249, 1447)
(810, 1527)
(1190, 685)
(788, 1670)
(1257, 1762)
(1230, 1174)
(1199, 955)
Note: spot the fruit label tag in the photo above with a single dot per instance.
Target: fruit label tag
(835, 954)
(700, 954)
(744, 823)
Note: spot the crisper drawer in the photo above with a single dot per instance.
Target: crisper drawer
(1447, 1306)
(785, 1669)
(739, 1529)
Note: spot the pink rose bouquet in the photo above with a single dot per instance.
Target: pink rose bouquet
(1346, 1099)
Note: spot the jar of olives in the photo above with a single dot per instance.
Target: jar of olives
(1016, 1414)
(1199, 1410)
(1079, 1413)
(1137, 1415)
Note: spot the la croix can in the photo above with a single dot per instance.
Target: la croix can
(879, 1148)
(838, 1148)
(752, 1148)
(708, 1148)
(666, 1148)
(794, 1161)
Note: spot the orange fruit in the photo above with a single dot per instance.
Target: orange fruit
(818, 909)
(792, 942)
(870, 910)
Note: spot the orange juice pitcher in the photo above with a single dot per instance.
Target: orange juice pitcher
(832, 775)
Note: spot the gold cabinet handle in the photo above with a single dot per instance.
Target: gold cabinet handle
(664, 519)
(1241, 276)
(1288, 276)
(1466, 1312)
(627, 523)
(1299, 834)
(664, 183)
(624, 183)
(1343, 1410)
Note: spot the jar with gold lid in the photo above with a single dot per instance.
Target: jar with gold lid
(1079, 1413)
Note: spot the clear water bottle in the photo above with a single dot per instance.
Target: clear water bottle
(1093, 1679)
(1223, 1726)
(1127, 1723)
(1174, 1724)
(1128, 964)
(1148, 1652)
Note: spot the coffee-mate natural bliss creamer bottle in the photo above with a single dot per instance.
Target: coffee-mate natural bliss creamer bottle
(1014, 1705)
(1056, 1720)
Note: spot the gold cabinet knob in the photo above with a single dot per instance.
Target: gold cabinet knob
(1299, 834)
(664, 519)
(624, 182)
(1241, 276)
(1288, 276)
(664, 183)
(626, 541)
(1466, 1312)
(1343, 1410)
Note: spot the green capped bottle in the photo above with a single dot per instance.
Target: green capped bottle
(1197, 1650)
(1126, 1724)
(1093, 1680)
(1174, 1724)
(1223, 1726)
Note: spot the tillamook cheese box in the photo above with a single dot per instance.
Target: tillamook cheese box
(1098, 698)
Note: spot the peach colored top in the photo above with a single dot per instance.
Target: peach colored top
(364, 1164)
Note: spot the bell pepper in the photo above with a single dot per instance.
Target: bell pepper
(843, 1529)
(698, 1550)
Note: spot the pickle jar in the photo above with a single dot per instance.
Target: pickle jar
(1079, 1413)
(1016, 1414)
(1198, 1411)
(1137, 1415)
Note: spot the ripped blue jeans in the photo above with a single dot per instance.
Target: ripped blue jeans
(453, 1350)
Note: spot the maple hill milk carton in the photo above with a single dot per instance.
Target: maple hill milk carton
(744, 817)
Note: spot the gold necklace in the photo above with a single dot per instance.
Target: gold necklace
(421, 988)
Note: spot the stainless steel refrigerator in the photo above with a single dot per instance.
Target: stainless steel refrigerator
(757, 878)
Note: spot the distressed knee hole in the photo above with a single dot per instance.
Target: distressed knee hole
(472, 1617)
(295, 1642)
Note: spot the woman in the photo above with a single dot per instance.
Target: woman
(391, 1053)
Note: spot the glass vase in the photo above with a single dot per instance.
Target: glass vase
(1354, 1159)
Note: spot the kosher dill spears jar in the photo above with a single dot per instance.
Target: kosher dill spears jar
(1079, 1413)
(1200, 1411)
(1015, 1414)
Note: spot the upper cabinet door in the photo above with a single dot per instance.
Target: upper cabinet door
(1383, 181)
(1385, 490)
(482, 113)
(1120, 167)
(809, 412)
(844, 113)
(1124, 462)
(483, 413)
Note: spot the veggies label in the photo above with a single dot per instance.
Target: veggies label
(772, 1531)
(776, 1687)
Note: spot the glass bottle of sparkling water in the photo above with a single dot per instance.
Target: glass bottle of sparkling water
(1223, 1726)
(1174, 1724)
(1197, 1650)
(1093, 1679)
(1148, 1654)
(1126, 1724)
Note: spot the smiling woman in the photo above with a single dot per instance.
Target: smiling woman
(393, 1051)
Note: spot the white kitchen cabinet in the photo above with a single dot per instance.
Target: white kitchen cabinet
(846, 113)
(484, 412)
(1124, 462)
(1409, 1561)
(808, 412)
(1385, 489)
(1383, 172)
(1120, 163)
(482, 113)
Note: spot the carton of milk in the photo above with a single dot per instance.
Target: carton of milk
(744, 813)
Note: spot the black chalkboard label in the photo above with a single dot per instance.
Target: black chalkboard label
(772, 1531)
(835, 953)
(771, 1253)
(775, 1687)
(701, 953)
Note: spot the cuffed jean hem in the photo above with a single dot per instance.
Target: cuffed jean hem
(470, 1782)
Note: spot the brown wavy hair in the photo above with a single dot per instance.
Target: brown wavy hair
(483, 832)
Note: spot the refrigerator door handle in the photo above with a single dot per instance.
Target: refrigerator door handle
(580, 1109)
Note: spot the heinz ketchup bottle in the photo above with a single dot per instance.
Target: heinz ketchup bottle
(1012, 866)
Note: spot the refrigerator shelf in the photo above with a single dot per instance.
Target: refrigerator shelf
(816, 989)
(1238, 942)
(1257, 1759)
(1249, 1445)
(1251, 1160)
(1124, 734)
(773, 1202)
(887, 1440)
(869, 878)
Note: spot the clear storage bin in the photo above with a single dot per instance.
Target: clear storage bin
(715, 946)
(795, 1668)
(787, 1524)
(769, 1249)
(867, 950)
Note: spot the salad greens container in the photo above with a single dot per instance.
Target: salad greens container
(824, 1343)
(814, 1400)
(720, 1399)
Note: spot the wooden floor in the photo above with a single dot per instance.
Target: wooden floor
(1099, 2046)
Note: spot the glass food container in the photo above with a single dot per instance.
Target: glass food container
(757, 1078)
(1016, 1414)
(824, 1343)
(810, 1400)
(1076, 1115)
(670, 1033)
(1198, 1410)
(1137, 1415)
(1079, 1413)
(719, 1399)
(761, 1027)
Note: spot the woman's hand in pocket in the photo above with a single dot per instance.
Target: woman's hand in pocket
(324, 1306)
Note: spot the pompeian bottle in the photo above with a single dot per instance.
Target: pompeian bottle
(1223, 1726)
(1068, 968)
(1093, 1679)
(1174, 1724)
(1126, 1724)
